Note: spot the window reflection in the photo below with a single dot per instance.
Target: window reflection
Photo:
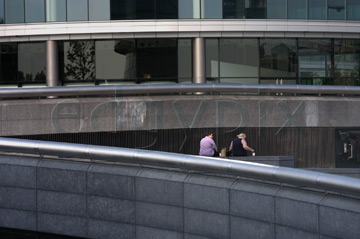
(212, 59)
(189, 9)
(115, 59)
(14, 11)
(77, 10)
(255, 9)
(35, 10)
(276, 9)
(166, 9)
(184, 60)
(297, 9)
(2, 16)
(211, 8)
(8, 63)
(347, 58)
(317, 9)
(234, 9)
(99, 10)
(353, 9)
(336, 10)
(239, 58)
(314, 58)
(55, 10)
(30, 70)
(278, 58)
(79, 60)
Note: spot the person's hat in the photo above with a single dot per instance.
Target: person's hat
(241, 135)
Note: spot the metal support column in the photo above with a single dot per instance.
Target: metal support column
(52, 66)
(199, 60)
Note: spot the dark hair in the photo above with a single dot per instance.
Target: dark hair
(208, 133)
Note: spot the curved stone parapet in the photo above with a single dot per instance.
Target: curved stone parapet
(97, 200)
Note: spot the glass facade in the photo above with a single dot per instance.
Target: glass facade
(336, 9)
(353, 9)
(276, 9)
(317, 9)
(8, 63)
(278, 58)
(55, 10)
(255, 9)
(34, 11)
(79, 60)
(77, 10)
(169, 60)
(2, 12)
(296, 9)
(31, 70)
(211, 9)
(315, 61)
(234, 9)
(189, 9)
(20, 11)
(99, 10)
(15, 11)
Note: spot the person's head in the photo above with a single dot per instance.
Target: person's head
(242, 135)
(209, 134)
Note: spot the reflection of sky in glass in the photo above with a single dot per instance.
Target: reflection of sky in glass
(14, 11)
(77, 10)
(55, 10)
(99, 9)
(211, 9)
(297, 9)
(34, 11)
(27, 52)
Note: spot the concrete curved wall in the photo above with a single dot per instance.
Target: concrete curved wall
(50, 116)
(97, 200)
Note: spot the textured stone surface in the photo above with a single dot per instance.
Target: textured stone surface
(245, 228)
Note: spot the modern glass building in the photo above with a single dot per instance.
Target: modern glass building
(95, 42)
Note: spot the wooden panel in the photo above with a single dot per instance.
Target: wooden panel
(311, 147)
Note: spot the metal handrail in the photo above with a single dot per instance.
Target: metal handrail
(298, 177)
(119, 90)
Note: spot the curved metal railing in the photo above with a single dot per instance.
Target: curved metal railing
(119, 90)
(285, 175)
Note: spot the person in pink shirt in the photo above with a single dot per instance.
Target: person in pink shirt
(208, 146)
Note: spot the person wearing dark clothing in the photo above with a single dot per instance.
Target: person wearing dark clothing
(239, 147)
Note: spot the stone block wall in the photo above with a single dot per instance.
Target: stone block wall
(95, 200)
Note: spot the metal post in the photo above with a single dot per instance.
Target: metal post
(52, 67)
(199, 60)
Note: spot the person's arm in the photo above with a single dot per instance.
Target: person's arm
(214, 145)
(245, 146)
(231, 145)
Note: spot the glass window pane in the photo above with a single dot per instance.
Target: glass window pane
(278, 58)
(8, 63)
(314, 57)
(79, 60)
(184, 60)
(77, 10)
(211, 8)
(189, 9)
(55, 10)
(255, 9)
(296, 9)
(336, 10)
(276, 9)
(156, 58)
(2, 16)
(234, 9)
(166, 9)
(115, 59)
(122, 9)
(145, 9)
(239, 58)
(353, 9)
(31, 70)
(212, 58)
(14, 11)
(347, 58)
(34, 11)
(317, 9)
(99, 10)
